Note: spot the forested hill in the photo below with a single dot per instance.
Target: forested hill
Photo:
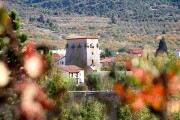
(126, 10)
(129, 23)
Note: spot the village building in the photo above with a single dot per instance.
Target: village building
(59, 51)
(107, 62)
(61, 61)
(177, 52)
(136, 51)
(74, 72)
(83, 51)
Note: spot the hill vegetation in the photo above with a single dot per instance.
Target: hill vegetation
(127, 22)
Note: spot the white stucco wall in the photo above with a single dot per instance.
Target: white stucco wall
(177, 53)
(61, 62)
(59, 51)
(78, 76)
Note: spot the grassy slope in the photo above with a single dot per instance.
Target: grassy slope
(137, 23)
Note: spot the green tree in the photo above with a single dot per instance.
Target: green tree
(94, 110)
(107, 53)
(93, 81)
(162, 47)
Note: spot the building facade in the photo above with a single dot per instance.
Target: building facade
(83, 51)
(74, 72)
(61, 61)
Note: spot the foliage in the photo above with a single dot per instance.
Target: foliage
(20, 66)
(81, 87)
(162, 46)
(124, 113)
(152, 81)
(97, 82)
(93, 81)
(130, 10)
(94, 110)
(137, 23)
(107, 53)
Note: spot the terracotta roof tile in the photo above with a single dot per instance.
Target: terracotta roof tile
(71, 68)
(136, 50)
(108, 59)
(57, 56)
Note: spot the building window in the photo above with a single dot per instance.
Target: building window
(91, 45)
(71, 74)
(76, 74)
(86, 45)
(92, 53)
(73, 46)
(67, 45)
(97, 45)
(79, 46)
(62, 62)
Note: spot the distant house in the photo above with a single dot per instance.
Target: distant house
(56, 56)
(136, 51)
(177, 52)
(107, 62)
(74, 72)
(61, 61)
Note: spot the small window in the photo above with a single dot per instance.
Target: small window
(73, 46)
(79, 46)
(92, 53)
(92, 61)
(86, 45)
(97, 45)
(62, 62)
(91, 45)
(67, 45)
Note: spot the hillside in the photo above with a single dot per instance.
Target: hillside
(131, 23)
(141, 10)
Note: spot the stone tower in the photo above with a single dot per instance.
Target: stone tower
(83, 51)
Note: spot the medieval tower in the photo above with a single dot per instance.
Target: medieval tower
(83, 51)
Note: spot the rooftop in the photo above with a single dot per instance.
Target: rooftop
(57, 56)
(107, 60)
(71, 68)
(136, 50)
(82, 37)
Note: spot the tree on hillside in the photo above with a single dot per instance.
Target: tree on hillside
(107, 53)
(162, 47)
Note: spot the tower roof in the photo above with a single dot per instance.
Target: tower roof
(82, 37)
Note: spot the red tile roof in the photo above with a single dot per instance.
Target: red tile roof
(107, 60)
(57, 56)
(71, 68)
(82, 37)
(136, 50)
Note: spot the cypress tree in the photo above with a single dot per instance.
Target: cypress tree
(162, 47)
